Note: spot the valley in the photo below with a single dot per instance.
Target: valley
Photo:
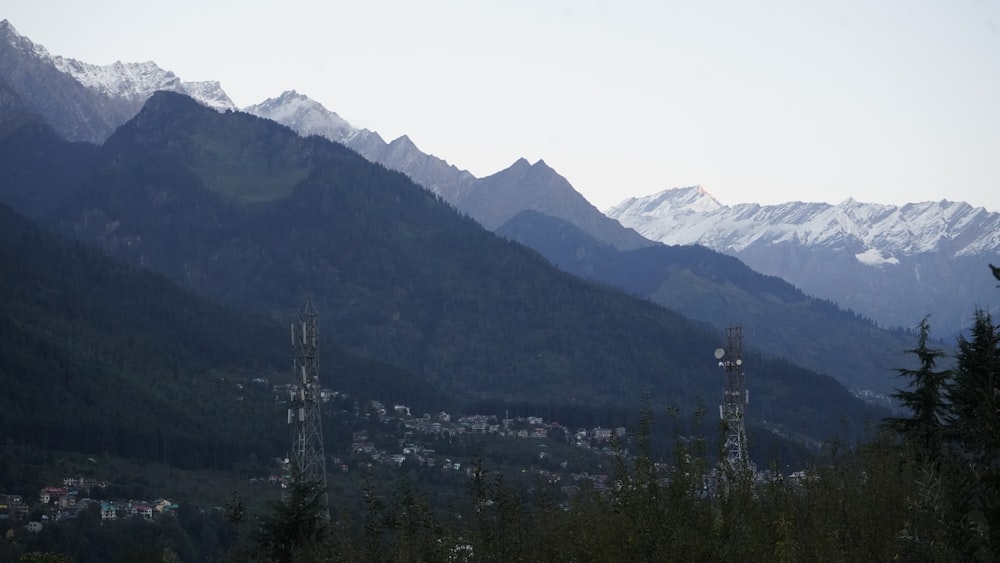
(506, 372)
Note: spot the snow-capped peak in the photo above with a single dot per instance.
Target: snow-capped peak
(120, 80)
(10, 35)
(877, 233)
(691, 199)
(128, 81)
(209, 93)
(137, 81)
(305, 115)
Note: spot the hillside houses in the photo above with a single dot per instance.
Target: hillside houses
(67, 502)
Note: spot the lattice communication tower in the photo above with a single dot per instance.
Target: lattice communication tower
(307, 455)
(732, 411)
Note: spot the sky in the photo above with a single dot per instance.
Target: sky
(892, 101)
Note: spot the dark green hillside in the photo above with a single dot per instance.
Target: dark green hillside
(703, 284)
(98, 355)
(37, 168)
(399, 275)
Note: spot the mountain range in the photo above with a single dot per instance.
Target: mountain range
(217, 202)
(883, 258)
(893, 264)
(246, 211)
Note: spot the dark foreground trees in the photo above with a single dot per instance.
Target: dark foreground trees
(924, 488)
(851, 508)
(954, 435)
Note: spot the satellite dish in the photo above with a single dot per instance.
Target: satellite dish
(719, 352)
(739, 362)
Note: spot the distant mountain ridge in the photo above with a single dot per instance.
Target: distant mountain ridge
(894, 264)
(491, 200)
(86, 102)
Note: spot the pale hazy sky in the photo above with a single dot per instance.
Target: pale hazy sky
(887, 101)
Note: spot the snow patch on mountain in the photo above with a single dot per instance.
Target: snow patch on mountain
(873, 257)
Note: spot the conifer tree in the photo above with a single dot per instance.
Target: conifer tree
(974, 426)
(974, 393)
(923, 397)
(298, 526)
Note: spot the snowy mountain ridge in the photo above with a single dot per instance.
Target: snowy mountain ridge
(895, 264)
(876, 234)
(305, 115)
(137, 81)
(129, 81)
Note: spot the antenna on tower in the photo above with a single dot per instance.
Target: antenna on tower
(304, 419)
(732, 411)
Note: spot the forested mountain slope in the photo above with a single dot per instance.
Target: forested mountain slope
(99, 355)
(244, 210)
(718, 289)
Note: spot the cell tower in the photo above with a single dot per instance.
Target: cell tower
(307, 454)
(732, 411)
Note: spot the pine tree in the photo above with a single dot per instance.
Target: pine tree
(924, 396)
(974, 426)
(298, 527)
(974, 393)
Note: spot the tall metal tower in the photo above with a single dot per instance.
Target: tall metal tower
(307, 454)
(732, 411)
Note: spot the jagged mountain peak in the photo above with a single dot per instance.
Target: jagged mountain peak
(132, 81)
(291, 95)
(520, 164)
(689, 199)
(128, 82)
(305, 115)
(403, 141)
(10, 36)
(522, 167)
(209, 93)
(691, 216)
